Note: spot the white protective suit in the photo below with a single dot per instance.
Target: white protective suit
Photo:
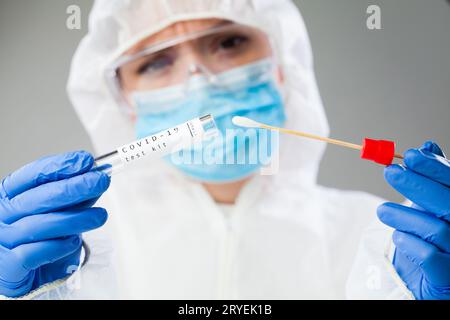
(286, 236)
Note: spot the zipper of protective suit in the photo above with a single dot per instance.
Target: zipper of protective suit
(227, 259)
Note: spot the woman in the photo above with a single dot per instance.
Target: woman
(180, 230)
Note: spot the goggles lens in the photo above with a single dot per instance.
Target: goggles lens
(171, 63)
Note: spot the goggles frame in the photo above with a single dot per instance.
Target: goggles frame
(112, 76)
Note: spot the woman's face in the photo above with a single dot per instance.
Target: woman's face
(219, 46)
(200, 67)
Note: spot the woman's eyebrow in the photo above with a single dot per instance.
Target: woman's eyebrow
(220, 24)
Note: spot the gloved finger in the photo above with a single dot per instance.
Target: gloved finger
(429, 165)
(30, 256)
(434, 263)
(85, 204)
(432, 147)
(418, 223)
(405, 269)
(55, 196)
(50, 226)
(48, 169)
(426, 193)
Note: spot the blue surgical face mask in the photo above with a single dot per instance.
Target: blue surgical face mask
(250, 91)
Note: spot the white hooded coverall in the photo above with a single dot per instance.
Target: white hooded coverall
(285, 238)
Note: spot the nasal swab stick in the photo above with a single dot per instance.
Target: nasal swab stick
(380, 151)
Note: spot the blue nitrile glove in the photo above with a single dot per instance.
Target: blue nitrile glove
(422, 235)
(44, 207)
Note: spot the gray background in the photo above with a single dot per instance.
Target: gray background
(391, 83)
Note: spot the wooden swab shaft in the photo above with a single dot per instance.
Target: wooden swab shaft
(316, 137)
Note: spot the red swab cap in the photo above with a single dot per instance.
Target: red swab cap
(379, 151)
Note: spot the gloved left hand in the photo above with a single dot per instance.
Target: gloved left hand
(422, 235)
(44, 208)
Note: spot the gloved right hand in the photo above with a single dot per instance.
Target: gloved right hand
(44, 207)
(422, 235)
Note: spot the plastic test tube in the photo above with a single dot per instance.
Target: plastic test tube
(158, 145)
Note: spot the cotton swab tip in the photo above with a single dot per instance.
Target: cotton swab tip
(245, 122)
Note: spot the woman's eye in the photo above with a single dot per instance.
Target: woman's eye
(233, 42)
(155, 64)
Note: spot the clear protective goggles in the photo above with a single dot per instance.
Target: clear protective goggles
(171, 63)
